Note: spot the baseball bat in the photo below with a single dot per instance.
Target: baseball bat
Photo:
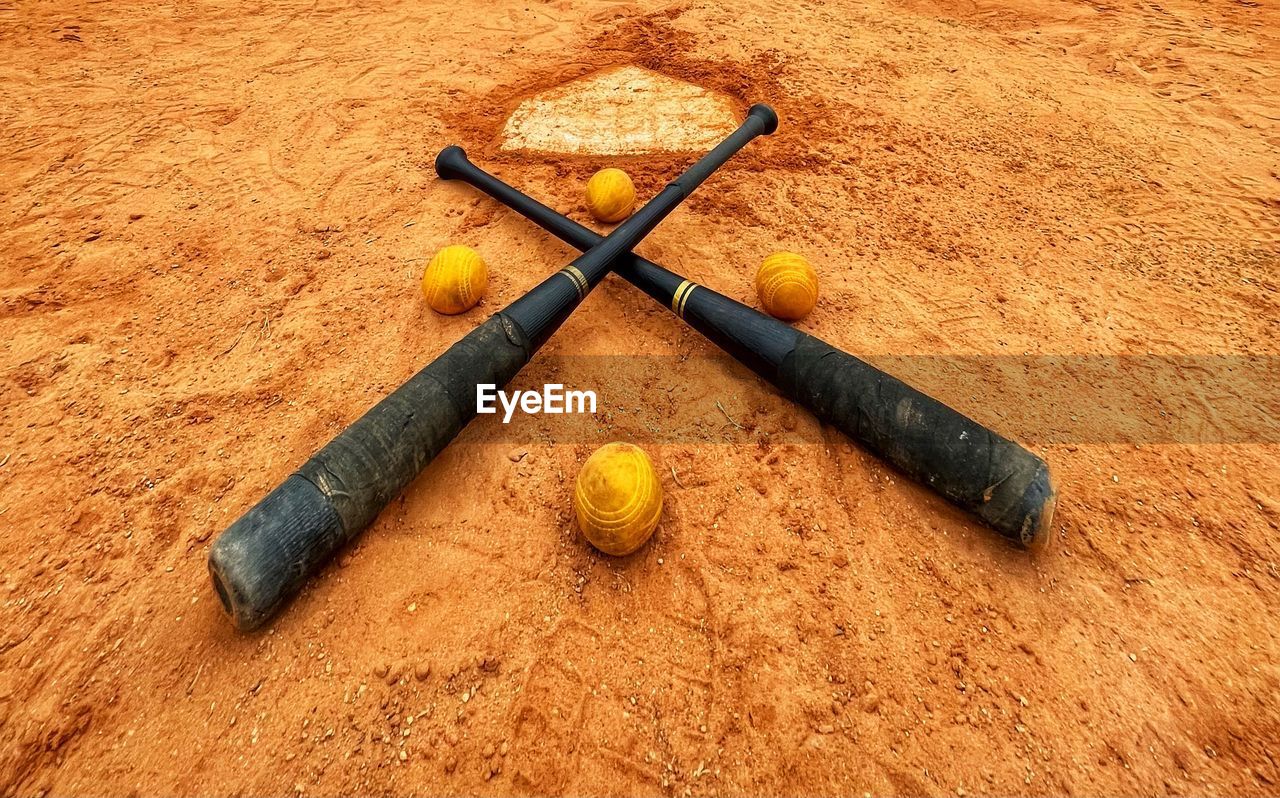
(263, 558)
(996, 479)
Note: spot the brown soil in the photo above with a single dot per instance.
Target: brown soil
(209, 269)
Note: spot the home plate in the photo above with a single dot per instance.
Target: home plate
(621, 111)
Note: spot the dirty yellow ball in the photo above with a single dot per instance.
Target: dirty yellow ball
(787, 286)
(455, 280)
(618, 498)
(610, 195)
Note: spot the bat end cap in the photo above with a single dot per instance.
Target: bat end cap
(449, 160)
(1039, 537)
(231, 597)
(765, 114)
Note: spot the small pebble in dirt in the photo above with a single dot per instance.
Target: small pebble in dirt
(403, 755)
(451, 737)
(488, 750)
(451, 764)
(380, 670)
(826, 728)
(870, 702)
(503, 749)
(422, 671)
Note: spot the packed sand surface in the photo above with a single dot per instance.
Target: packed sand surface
(213, 221)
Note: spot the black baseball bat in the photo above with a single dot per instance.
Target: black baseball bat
(262, 559)
(999, 481)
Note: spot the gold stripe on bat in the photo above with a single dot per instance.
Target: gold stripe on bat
(684, 300)
(675, 298)
(579, 280)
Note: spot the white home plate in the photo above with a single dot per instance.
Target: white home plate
(621, 111)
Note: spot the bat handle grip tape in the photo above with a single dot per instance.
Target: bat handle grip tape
(265, 557)
(998, 480)
(262, 559)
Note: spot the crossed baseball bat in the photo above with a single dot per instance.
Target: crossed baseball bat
(263, 558)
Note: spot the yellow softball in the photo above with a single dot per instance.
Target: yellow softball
(617, 498)
(787, 286)
(455, 280)
(610, 195)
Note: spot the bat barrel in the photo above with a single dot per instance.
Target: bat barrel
(262, 559)
(992, 477)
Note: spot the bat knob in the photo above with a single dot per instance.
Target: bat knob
(451, 162)
(765, 114)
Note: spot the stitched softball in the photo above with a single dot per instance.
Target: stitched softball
(617, 498)
(610, 195)
(787, 286)
(455, 280)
